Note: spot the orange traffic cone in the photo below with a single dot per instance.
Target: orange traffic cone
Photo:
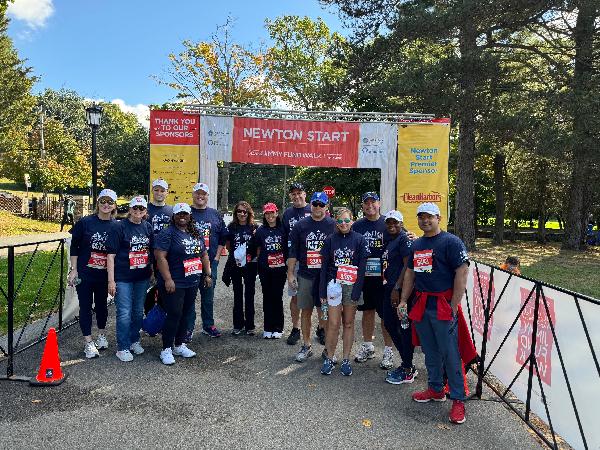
(50, 373)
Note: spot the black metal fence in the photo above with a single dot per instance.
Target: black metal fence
(32, 290)
(537, 295)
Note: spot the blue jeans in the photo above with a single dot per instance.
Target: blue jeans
(129, 301)
(439, 341)
(207, 296)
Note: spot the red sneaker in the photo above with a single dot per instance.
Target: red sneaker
(429, 394)
(457, 412)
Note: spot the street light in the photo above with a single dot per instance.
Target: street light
(94, 118)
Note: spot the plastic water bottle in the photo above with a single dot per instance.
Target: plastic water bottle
(324, 310)
(404, 322)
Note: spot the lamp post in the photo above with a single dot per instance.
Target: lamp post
(94, 118)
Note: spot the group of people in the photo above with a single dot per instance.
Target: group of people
(331, 264)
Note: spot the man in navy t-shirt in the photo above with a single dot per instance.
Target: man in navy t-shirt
(438, 271)
(159, 213)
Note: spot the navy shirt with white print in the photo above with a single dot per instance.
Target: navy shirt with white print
(273, 247)
(184, 254)
(131, 243)
(238, 235)
(212, 228)
(291, 216)
(437, 259)
(373, 231)
(88, 243)
(306, 240)
(343, 249)
(392, 260)
(159, 216)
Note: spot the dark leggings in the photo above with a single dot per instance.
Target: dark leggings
(179, 306)
(243, 302)
(402, 338)
(92, 293)
(272, 282)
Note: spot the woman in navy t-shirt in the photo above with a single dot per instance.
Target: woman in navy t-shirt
(88, 269)
(129, 272)
(271, 248)
(182, 260)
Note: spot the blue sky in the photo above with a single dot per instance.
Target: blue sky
(108, 49)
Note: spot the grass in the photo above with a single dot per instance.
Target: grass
(11, 225)
(576, 271)
(28, 298)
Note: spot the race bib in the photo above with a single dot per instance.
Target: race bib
(347, 274)
(373, 267)
(192, 266)
(423, 260)
(97, 261)
(138, 260)
(313, 259)
(275, 260)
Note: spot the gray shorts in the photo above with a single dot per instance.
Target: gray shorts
(347, 296)
(292, 292)
(306, 298)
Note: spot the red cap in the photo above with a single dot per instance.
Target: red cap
(270, 207)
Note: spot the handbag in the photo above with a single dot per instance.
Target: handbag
(155, 319)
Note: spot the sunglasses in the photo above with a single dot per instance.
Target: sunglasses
(242, 211)
(318, 204)
(341, 221)
(106, 202)
(139, 208)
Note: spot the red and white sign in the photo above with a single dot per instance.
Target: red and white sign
(313, 259)
(330, 191)
(479, 304)
(192, 266)
(423, 260)
(295, 142)
(174, 128)
(138, 260)
(97, 260)
(275, 260)
(347, 274)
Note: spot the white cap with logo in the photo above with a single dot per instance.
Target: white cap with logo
(160, 182)
(108, 193)
(182, 207)
(429, 208)
(201, 187)
(138, 200)
(393, 214)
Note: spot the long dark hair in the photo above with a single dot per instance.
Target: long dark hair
(190, 228)
(249, 217)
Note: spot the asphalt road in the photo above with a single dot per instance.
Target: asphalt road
(240, 392)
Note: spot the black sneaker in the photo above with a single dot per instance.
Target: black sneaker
(294, 337)
(320, 333)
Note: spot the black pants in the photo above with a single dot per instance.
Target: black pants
(402, 338)
(243, 302)
(92, 293)
(67, 219)
(179, 306)
(273, 281)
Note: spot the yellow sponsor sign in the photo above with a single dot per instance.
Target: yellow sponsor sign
(178, 165)
(422, 170)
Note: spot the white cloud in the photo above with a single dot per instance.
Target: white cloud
(33, 12)
(141, 111)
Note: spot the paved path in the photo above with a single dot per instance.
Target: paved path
(27, 238)
(240, 392)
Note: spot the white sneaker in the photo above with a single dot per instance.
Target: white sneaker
(90, 350)
(267, 335)
(166, 356)
(183, 350)
(276, 335)
(137, 348)
(387, 362)
(364, 352)
(101, 342)
(124, 355)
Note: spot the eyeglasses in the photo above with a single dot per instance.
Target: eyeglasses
(318, 204)
(139, 208)
(106, 202)
(341, 221)
(242, 211)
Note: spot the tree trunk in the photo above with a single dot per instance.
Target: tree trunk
(464, 222)
(583, 137)
(542, 198)
(499, 162)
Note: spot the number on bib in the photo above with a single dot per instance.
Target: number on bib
(275, 260)
(423, 260)
(97, 260)
(313, 259)
(138, 260)
(347, 274)
(192, 266)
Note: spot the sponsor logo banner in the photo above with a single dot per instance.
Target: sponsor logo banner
(174, 128)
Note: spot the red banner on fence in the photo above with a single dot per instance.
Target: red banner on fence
(174, 128)
(295, 142)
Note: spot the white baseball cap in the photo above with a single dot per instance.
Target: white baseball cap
(429, 208)
(160, 182)
(108, 193)
(138, 200)
(393, 214)
(182, 207)
(201, 186)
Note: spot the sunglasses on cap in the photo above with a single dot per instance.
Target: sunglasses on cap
(341, 221)
(318, 204)
(106, 201)
(242, 211)
(139, 208)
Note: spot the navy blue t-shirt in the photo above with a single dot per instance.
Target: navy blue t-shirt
(273, 248)
(159, 216)
(131, 244)
(183, 251)
(211, 226)
(392, 260)
(343, 249)
(306, 239)
(435, 260)
(373, 231)
(90, 236)
(291, 216)
(238, 235)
